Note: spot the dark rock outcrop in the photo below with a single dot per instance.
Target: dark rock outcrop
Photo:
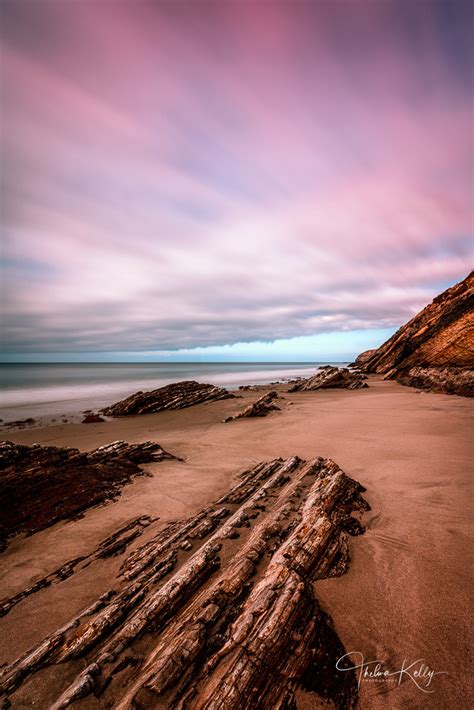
(92, 419)
(217, 611)
(450, 380)
(40, 485)
(440, 336)
(260, 408)
(175, 396)
(20, 423)
(330, 377)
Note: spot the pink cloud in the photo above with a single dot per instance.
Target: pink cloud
(203, 173)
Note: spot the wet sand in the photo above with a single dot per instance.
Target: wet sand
(406, 593)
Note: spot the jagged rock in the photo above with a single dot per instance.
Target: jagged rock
(175, 396)
(235, 624)
(440, 336)
(450, 380)
(44, 484)
(330, 377)
(112, 545)
(92, 419)
(260, 408)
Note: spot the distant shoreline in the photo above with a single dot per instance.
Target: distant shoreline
(46, 391)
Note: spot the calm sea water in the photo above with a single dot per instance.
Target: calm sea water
(34, 390)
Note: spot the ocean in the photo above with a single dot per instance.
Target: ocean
(49, 389)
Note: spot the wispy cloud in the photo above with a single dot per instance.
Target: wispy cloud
(200, 173)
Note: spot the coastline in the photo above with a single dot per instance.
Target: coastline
(49, 392)
(405, 594)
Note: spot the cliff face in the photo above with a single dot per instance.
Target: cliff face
(440, 336)
(363, 358)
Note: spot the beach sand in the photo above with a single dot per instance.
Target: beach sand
(405, 596)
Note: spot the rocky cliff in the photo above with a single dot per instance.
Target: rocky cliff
(440, 338)
(363, 358)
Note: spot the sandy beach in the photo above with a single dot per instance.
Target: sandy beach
(237, 362)
(405, 595)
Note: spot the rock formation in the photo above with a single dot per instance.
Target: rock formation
(112, 545)
(217, 611)
(19, 423)
(330, 377)
(44, 484)
(175, 396)
(260, 408)
(92, 419)
(450, 380)
(362, 358)
(440, 336)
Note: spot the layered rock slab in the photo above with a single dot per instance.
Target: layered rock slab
(214, 611)
(40, 485)
(330, 377)
(178, 395)
(449, 380)
(260, 408)
(441, 335)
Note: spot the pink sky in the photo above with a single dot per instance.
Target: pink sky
(203, 173)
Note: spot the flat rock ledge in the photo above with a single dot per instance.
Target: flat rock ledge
(175, 396)
(260, 408)
(217, 611)
(450, 380)
(331, 378)
(41, 485)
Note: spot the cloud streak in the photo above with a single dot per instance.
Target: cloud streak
(192, 174)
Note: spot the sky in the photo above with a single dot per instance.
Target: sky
(241, 179)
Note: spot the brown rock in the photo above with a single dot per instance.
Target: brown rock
(235, 624)
(92, 419)
(175, 396)
(260, 408)
(41, 485)
(362, 358)
(450, 380)
(440, 336)
(112, 545)
(331, 377)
